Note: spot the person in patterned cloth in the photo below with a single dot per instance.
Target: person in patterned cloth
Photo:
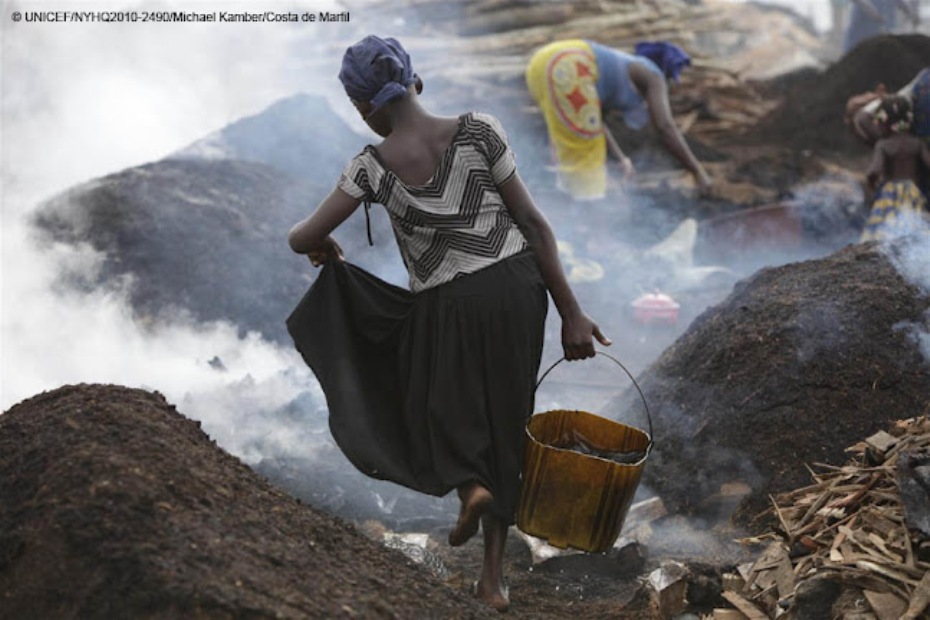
(576, 83)
(862, 108)
(899, 206)
(432, 387)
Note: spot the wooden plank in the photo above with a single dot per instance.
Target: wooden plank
(781, 518)
(836, 555)
(882, 441)
(887, 606)
(817, 505)
(732, 581)
(919, 600)
(909, 549)
(887, 572)
(848, 521)
(854, 498)
(878, 522)
(784, 576)
(515, 18)
(879, 543)
(745, 606)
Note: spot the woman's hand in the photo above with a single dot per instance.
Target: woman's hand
(626, 167)
(577, 341)
(327, 251)
(705, 185)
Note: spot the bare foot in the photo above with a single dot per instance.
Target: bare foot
(475, 502)
(497, 596)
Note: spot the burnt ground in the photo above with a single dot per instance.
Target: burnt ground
(115, 505)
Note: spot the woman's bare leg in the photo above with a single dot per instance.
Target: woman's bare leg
(491, 588)
(475, 500)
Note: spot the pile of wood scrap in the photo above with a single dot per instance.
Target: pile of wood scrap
(863, 527)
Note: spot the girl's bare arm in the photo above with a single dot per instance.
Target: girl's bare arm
(577, 327)
(311, 235)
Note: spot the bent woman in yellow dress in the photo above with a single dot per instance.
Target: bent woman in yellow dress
(576, 82)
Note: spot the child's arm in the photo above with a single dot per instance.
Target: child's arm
(311, 235)
(877, 167)
(577, 327)
(859, 111)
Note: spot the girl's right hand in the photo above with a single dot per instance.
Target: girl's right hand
(577, 341)
(328, 251)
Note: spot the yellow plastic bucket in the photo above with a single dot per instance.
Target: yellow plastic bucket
(580, 474)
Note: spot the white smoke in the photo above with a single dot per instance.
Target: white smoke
(81, 100)
(912, 260)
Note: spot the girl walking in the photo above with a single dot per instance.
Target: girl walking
(431, 387)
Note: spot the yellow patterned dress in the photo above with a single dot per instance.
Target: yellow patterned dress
(900, 208)
(562, 78)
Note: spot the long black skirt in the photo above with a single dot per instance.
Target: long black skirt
(429, 390)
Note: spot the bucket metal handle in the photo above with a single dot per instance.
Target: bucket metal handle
(628, 374)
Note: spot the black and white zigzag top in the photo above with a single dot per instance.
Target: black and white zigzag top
(456, 223)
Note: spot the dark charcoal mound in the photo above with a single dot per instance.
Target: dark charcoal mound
(204, 238)
(204, 232)
(117, 506)
(797, 363)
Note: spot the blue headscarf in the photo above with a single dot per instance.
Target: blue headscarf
(376, 70)
(670, 58)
